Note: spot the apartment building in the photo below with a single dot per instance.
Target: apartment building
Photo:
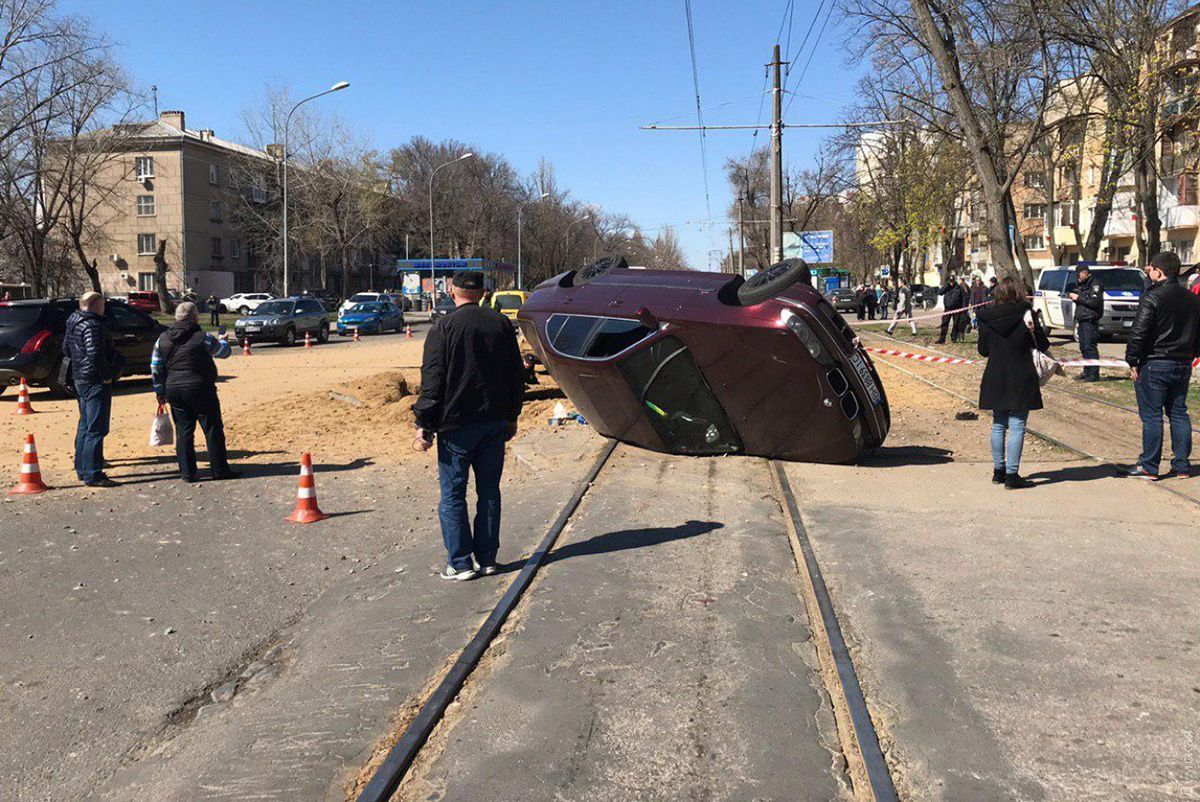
(178, 185)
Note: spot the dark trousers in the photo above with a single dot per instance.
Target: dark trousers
(477, 447)
(95, 411)
(1163, 384)
(192, 404)
(214, 316)
(942, 327)
(1088, 333)
(962, 322)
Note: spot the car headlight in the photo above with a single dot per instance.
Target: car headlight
(806, 335)
(275, 321)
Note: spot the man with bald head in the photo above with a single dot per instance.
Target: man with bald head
(95, 365)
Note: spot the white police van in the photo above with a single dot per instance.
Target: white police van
(1122, 285)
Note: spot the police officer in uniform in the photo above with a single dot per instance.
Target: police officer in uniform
(472, 387)
(1089, 308)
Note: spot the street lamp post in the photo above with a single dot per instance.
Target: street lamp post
(521, 209)
(286, 124)
(567, 233)
(432, 273)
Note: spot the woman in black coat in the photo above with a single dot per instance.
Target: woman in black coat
(1008, 333)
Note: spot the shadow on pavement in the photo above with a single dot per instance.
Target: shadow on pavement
(1078, 473)
(632, 539)
(907, 455)
(248, 470)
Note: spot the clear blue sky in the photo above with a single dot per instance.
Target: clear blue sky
(568, 81)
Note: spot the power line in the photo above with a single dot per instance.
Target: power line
(687, 7)
(811, 53)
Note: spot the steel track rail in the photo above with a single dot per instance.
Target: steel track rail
(1042, 435)
(391, 772)
(861, 743)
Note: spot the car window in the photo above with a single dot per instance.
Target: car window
(1121, 280)
(311, 306)
(275, 308)
(673, 394)
(124, 317)
(363, 296)
(1053, 280)
(18, 317)
(614, 336)
(570, 336)
(507, 302)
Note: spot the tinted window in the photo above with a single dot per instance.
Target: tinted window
(615, 336)
(573, 334)
(674, 395)
(18, 317)
(1121, 280)
(1053, 280)
(368, 308)
(507, 302)
(364, 296)
(313, 306)
(275, 308)
(124, 317)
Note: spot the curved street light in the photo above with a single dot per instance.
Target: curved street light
(432, 274)
(567, 233)
(521, 209)
(340, 85)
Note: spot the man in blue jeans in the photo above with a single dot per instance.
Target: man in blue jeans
(472, 387)
(95, 364)
(1163, 342)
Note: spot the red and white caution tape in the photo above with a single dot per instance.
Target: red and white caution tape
(905, 319)
(954, 360)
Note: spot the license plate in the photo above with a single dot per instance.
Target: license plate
(1127, 323)
(254, 328)
(864, 373)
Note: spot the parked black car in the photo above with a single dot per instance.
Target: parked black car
(31, 335)
(330, 300)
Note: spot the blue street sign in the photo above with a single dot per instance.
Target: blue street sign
(814, 247)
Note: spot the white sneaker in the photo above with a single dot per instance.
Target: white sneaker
(450, 572)
(488, 570)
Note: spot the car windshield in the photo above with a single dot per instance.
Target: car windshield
(363, 297)
(1121, 280)
(507, 302)
(366, 309)
(275, 308)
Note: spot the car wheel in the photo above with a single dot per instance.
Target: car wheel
(289, 336)
(767, 284)
(601, 267)
(323, 333)
(243, 311)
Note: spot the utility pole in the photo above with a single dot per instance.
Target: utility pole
(777, 164)
(741, 238)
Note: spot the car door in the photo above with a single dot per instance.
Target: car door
(134, 334)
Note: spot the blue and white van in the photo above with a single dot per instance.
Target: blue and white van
(1122, 285)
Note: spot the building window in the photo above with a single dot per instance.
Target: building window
(145, 167)
(1035, 211)
(1035, 242)
(146, 282)
(145, 205)
(214, 210)
(147, 244)
(1068, 214)
(1035, 180)
(235, 248)
(214, 174)
(216, 248)
(1187, 189)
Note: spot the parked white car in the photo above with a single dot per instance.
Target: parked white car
(245, 302)
(366, 298)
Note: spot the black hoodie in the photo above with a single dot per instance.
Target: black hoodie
(187, 361)
(1010, 382)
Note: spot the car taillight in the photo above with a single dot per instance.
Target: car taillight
(36, 342)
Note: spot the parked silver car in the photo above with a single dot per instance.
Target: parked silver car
(285, 321)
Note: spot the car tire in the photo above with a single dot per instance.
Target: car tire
(601, 267)
(323, 332)
(243, 311)
(769, 283)
(289, 336)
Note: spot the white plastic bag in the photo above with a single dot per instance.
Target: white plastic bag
(1047, 367)
(162, 433)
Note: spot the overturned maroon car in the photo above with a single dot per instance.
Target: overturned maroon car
(686, 362)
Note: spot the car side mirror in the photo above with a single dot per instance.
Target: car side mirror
(647, 319)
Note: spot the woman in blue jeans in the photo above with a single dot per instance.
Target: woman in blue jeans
(1008, 333)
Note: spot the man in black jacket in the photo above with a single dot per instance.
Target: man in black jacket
(95, 365)
(951, 300)
(1089, 308)
(472, 387)
(1163, 342)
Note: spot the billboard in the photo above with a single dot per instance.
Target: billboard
(814, 247)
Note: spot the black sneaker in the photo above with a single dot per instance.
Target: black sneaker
(1174, 474)
(997, 476)
(1138, 472)
(456, 574)
(102, 481)
(1014, 481)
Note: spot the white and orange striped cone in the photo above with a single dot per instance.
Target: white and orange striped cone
(30, 481)
(23, 405)
(307, 511)
(246, 347)
(408, 332)
(356, 334)
(307, 340)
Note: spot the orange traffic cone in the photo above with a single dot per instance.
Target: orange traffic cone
(307, 340)
(307, 511)
(23, 406)
(31, 473)
(356, 334)
(246, 347)
(408, 332)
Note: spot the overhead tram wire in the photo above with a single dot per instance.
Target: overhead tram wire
(687, 8)
(811, 53)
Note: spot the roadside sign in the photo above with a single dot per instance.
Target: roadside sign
(885, 271)
(832, 283)
(814, 247)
